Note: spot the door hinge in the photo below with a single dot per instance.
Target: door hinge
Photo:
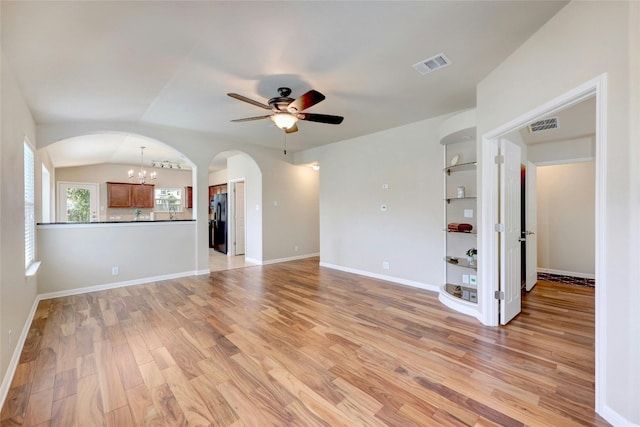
(499, 295)
(499, 159)
(499, 228)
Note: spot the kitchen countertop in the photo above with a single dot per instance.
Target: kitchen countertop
(144, 221)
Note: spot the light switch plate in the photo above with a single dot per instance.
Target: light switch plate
(465, 279)
(473, 279)
(468, 213)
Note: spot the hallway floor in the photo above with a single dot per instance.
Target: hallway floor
(219, 261)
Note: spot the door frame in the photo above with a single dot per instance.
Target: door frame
(60, 211)
(488, 269)
(231, 215)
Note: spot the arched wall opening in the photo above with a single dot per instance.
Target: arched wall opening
(230, 171)
(98, 158)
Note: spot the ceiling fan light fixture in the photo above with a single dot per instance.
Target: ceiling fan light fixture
(284, 120)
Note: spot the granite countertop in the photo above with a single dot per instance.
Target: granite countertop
(146, 221)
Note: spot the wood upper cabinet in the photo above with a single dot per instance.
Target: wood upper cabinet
(142, 196)
(123, 195)
(118, 195)
(189, 197)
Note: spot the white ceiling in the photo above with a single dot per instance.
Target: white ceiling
(172, 63)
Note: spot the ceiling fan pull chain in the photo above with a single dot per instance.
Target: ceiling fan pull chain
(285, 142)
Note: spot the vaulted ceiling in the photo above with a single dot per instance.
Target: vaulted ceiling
(172, 63)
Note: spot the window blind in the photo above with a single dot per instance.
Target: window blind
(29, 206)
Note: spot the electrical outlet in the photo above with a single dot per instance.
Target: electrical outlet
(295, 248)
(465, 279)
(468, 213)
(385, 265)
(115, 271)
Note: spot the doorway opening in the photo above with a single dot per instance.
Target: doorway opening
(491, 267)
(236, 181)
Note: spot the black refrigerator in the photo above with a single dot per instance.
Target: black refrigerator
(218, 224)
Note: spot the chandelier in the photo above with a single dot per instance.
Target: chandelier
(142, 174)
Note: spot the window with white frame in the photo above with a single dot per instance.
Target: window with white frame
(29, 205)
(46, 195)
(168, 200)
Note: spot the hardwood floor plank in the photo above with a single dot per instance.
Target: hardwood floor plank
(89, 402)
(294, 344)
(127, 365)
(65, 412)
(109, 380)
(141, 405)
(194, 409)
(39, 407)
(167, 406)
(219, 408)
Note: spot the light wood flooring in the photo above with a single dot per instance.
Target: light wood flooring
(219, 261)
(293, 344)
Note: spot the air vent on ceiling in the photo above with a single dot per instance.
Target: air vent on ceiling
(432, 64)
(546, 124)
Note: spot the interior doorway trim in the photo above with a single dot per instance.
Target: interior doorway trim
(490, 197)
(231, 215)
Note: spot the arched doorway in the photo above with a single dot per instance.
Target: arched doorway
(235, 230)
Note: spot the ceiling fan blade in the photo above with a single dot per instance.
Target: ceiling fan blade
(320, 118)
(249, 100)
(248, 119)
(292, 129)
(307, 100)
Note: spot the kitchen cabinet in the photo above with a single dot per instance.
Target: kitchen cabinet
(142, 196)
(124, 195)
(189, 197)
(118, 195)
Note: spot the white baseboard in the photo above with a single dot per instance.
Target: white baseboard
(566, 273)
(115, 285)
(615, 419)
(17, 351)
(398, 280)
(278, 260)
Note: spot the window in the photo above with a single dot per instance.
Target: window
(168, 200)
(29, 205)
(46, 194)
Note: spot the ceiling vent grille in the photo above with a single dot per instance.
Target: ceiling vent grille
(431, 64)
(546, 124)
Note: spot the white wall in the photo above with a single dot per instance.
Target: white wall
(566, 219)
(82, 255)
(583, 41)
(242, 166)
(17, 294)
(566, 151)
(355, 234)
(218, 177)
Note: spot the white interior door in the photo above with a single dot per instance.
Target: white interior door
(510, 247)
(77, 202)
(240, 218)
(531, 228)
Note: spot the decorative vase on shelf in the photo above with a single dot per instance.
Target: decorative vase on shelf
(471, 256)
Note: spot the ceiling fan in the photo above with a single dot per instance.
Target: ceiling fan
(287, 111)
